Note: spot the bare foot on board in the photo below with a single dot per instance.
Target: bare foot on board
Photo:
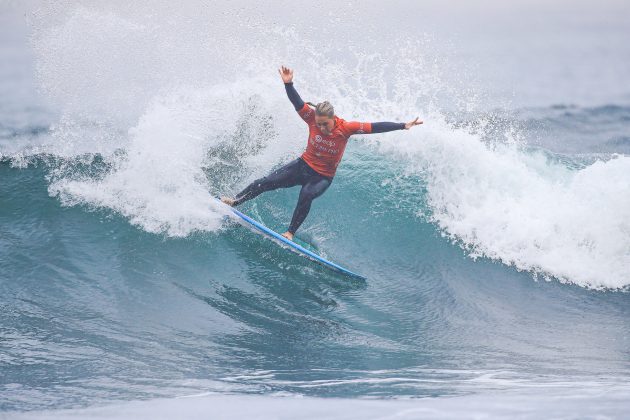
(228, 201)
(288, 235)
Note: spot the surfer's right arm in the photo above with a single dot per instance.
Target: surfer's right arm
(287, 77)
(294, 97)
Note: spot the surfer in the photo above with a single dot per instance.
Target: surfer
(315, 169)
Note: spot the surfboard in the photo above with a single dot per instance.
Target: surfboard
(287, 244)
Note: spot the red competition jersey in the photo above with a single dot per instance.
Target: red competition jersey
(323, 153)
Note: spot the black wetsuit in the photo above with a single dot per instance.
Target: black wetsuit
(296, 172)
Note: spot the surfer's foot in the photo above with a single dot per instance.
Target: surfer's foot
(288, 235)
(228, 201)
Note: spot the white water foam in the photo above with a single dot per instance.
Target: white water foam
(173, 104)
(522, 207)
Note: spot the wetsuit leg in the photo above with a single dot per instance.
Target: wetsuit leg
(310, 191)
(289, 175)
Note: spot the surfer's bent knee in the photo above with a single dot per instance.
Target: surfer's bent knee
(309, 194)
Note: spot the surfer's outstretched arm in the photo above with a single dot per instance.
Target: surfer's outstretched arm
(384, 127)
(287, 77)
(294, 97)
(355, 127)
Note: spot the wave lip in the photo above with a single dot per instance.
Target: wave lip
(526, 208)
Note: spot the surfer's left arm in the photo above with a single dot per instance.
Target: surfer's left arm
(384, 127)
(380, 127)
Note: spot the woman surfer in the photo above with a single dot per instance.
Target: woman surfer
(315, 169)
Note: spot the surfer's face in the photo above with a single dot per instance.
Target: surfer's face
(325, 123)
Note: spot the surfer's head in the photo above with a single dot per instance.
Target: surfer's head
(324, 116)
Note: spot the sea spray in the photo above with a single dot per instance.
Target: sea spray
(523, 207)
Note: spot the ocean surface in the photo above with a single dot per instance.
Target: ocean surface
(495, 238)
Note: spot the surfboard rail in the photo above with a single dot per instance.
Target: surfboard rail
(297, 248)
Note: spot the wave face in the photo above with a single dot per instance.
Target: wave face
(122, 279)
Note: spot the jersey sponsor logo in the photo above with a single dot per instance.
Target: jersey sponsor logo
(319, 139)
(324, 151)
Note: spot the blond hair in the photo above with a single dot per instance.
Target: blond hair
(323, 109)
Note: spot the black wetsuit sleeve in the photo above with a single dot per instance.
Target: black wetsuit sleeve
(384, 127)
(294, 97)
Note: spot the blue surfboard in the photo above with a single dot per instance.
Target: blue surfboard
(292, 246)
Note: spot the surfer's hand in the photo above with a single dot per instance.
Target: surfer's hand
(286, 74)
(410, 124)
